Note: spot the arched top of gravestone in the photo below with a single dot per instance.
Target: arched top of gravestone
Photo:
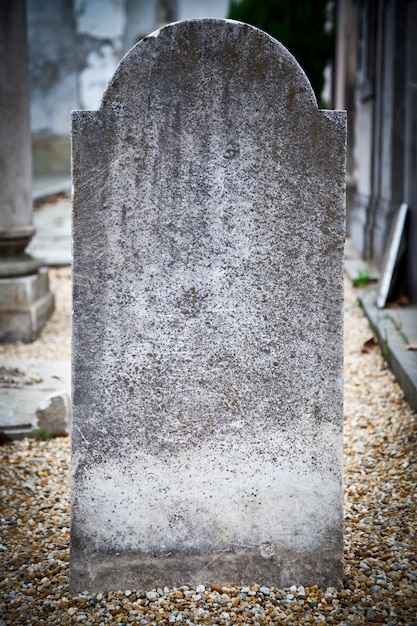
(200, 54)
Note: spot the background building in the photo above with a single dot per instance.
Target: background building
(376, 81)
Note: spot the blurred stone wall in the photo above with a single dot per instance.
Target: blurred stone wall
(74, 48)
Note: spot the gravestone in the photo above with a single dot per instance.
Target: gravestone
(207, 367)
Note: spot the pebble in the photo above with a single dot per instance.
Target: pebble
(380, 583)
(152, 595)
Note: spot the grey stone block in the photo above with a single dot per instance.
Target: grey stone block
(26, 303)
(208, 319)
(54, 413)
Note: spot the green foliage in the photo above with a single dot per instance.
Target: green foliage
(363, 278)
(299, 25)
(44, 434)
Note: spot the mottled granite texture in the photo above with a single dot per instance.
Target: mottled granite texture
(207, 368)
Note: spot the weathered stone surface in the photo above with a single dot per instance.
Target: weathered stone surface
(54, 413)
(207, 368)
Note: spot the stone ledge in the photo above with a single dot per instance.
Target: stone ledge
(394, 329)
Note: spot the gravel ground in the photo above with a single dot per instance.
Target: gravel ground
(380, 585)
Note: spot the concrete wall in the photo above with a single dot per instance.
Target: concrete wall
(74, 48)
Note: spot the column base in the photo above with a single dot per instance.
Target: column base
(26, 303)
(15, 266)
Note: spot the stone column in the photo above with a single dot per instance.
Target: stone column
(25, 299)
(344, 90)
